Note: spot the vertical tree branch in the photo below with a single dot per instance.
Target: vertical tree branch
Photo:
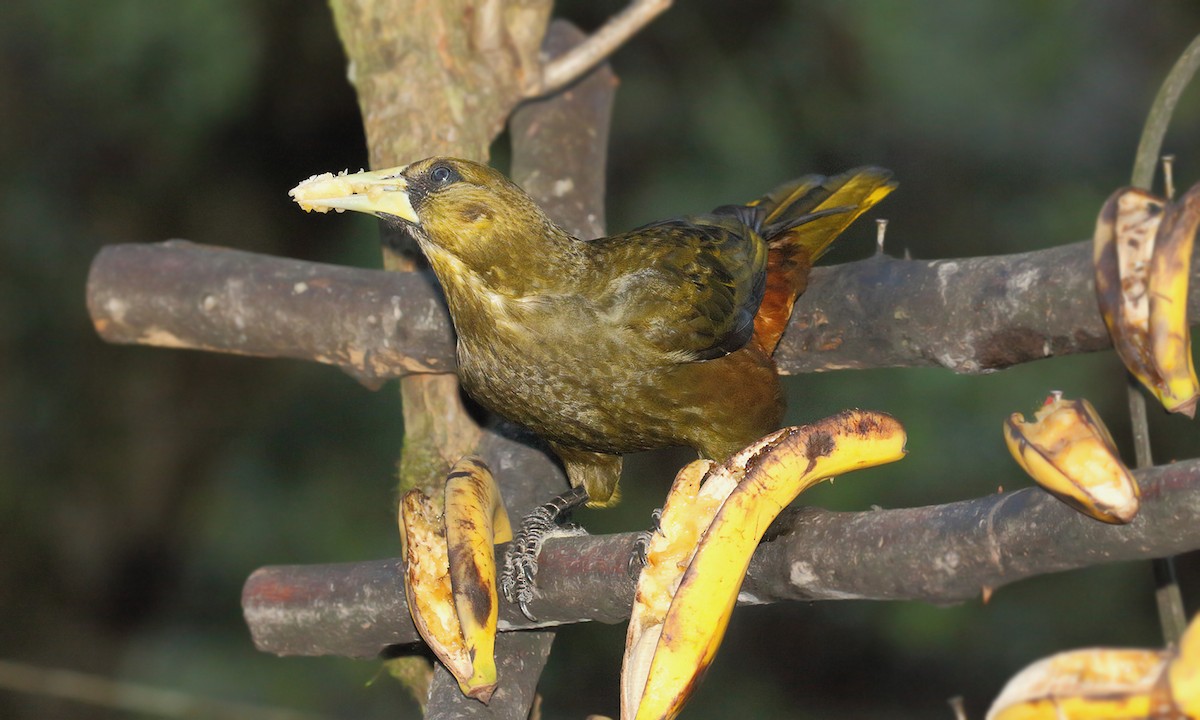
(559, 150)
(1167, 594)
(436, 79)
(1159, 117)
(441, 79)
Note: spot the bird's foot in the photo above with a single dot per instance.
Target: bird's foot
(641, 545)
(521, 560)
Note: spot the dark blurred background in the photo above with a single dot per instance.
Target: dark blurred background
(139, 487)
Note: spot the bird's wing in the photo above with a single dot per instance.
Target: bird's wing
(689, 286)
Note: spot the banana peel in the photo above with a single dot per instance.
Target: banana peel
(714, 518)
(450, 576)
(1170, 334)
(1096, 683)
(1107, 683)
(475, 522)
(427, 585)
(1183, 672)
(1068, 451)
(1142, 251)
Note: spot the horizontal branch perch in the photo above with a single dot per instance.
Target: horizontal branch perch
(970, 315)
(373, 324)
(941, 553)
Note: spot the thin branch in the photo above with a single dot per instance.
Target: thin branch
(129, 697)
(1167, 594)
(565, 69)
(939, 554)
(1150, 144)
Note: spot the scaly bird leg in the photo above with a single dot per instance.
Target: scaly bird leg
(520, 561)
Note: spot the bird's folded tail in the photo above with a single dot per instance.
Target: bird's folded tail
(799, 221)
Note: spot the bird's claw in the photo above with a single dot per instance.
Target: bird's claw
(641, 545)
(518, 579)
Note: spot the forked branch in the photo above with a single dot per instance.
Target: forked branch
(570, 66)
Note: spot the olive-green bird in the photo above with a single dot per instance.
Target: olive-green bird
(660, 336)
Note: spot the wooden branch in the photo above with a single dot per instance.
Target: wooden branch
(560, 143)
(944, 553)
(559, 146)
(1150, 144)
(564, 138)
(1167, 594)
(372, 324)
(520, 658)
(970, 315)
(438, 78)
(568, 67)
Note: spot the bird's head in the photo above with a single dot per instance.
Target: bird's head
(453, 207)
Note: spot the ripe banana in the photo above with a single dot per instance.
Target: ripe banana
(1142, 254)
(1170, 335)
(427, 585)
(687, 590)
(688, 510)
(450, 580)
(475, 521)
(1183, 672)
(1107, 684)
(1069, 452)
(1097, 683)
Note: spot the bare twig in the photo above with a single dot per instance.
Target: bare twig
(129, 697)
(1167, 594)
(942, 553)
(1159, 118)
(565, 69)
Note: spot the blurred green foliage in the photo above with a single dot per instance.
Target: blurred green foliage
(139, 487)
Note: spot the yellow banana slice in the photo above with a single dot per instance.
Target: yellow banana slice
(733, 507)
(1097, 683)
(1142, 251)
(685, 515)
(1069, 452)
(427, 585)
(1107, 684)
(450, 579)
(475, 521)
(1183, 673)
(1170, 334)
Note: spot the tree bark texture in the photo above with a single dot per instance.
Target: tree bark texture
(442, 78)
(970, 315)
(434, 78)
(439, 78)
(938, 554)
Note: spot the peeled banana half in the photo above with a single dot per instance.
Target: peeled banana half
(714, 518)
(1142, 251)
(1107, 684)
(1067, 449)
(450, 580)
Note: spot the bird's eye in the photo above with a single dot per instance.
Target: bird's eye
(442, 174)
